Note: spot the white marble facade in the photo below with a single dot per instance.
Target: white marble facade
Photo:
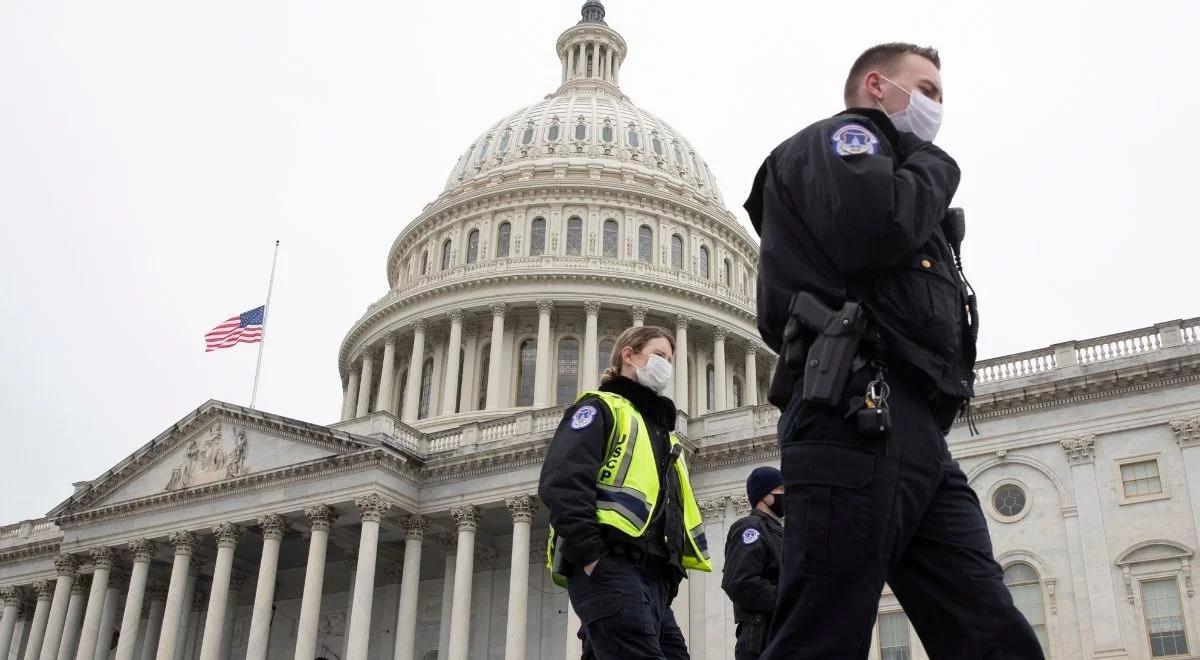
(407, 528)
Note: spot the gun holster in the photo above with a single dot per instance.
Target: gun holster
(827, 359)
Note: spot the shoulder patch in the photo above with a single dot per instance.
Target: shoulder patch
(583, 417)
(854, 139)
(750, 536)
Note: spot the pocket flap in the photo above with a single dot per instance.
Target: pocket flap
(599, 606)
(828, 464)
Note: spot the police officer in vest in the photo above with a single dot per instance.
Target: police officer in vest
(861, 292)
(625, 525)
(752, 553)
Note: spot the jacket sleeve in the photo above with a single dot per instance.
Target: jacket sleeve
(568, 481)
(745, 565)
(869, 209)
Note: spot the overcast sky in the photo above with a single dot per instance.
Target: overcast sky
(151, 152)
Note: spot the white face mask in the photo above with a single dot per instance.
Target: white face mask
(656, 374)
(922, 117)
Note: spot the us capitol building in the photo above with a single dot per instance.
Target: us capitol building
(408, 528)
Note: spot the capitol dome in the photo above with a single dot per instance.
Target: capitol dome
(562, 224)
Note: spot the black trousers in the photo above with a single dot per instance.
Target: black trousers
(626, 612)
(861, 511)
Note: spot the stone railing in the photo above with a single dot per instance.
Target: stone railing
(26, 531)
(636, 270)
(1091, 351)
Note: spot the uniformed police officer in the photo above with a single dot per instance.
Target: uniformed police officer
(853, 211)
(624, 522)
(752, 552)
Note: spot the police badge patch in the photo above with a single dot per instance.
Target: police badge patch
(583, 417)
(749, 536)
(854, 139)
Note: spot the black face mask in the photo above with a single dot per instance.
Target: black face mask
(777, 506)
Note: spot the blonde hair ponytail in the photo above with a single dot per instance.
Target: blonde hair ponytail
(636, 338)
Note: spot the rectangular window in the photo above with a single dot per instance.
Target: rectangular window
(1141, 478)
(1164, 618)
(893, 636)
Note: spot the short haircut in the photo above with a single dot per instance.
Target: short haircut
(884, 57)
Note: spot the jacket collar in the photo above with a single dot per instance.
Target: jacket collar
(654, 408)
(881, 121)
(770, 518)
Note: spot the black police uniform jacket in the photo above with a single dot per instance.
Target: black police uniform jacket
(751, 575)
(851, 208)
(567, 485)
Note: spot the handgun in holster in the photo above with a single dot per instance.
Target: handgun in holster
(828, 360)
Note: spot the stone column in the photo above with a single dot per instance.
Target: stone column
(410, 580)
(450, 399)
(67, 568)
(570, 72)
(590, 375)
(681, 607)
(1187, 434)
(237, 581)
(43, 591)
(638, 314)
(350, 400)
(468, 397)
(466, 517)
(185, 608)
(750, 387)
(118, 581)
(450, 545)
(214, 621)
(351, 559)
(272, 526)
(608, 66)
(103, 559)
(581, 61)
(1105, 624)
(495, 357)
(522, 509)
(320, 519)
(596, 60)
(719, 383)
(701, 384)
(387, 378)
(364, 383)
(142, 551)
(713, 511)
(681, 362)
(412, 391)
(74, 623)
(541, 379)
(574, 644)
(199, 602)
(157, 593)
(373, 507)
(10, 598)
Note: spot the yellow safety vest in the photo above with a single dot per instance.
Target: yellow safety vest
(627, 487)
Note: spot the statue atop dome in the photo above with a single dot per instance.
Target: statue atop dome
(593, 12)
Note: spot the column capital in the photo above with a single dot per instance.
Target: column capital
(373, 507)
(522, 507)
(10, 596)
(485, 559)
(118, 579)
(419, 326)
(66, 564)
(544, 306)
(156, 590)
(592, 307)
(1080, 448)
(81, 584)
(466, 517)
(103, 557)
(711, 509)
(741, 504)
(719, 333)
(1187, 431)
(682, 321)
(237, 581)
(498, 309)
(320, 517)
(449, 542)
(272, 526)
(415, 527)
(227, 535)
(470, 330)
(751, 347)
(638, 313)
(184, 542)
(510, 324)
(389, 339)
(142, 550)
(43, 590)
(455, 315)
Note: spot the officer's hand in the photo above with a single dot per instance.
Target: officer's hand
(590, 567)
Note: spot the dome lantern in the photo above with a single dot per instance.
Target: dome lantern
(590, 51)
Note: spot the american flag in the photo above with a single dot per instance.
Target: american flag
(243, 328)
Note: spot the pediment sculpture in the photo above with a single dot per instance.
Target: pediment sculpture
(209, 462)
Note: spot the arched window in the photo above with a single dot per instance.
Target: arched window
(473, 246)
(581, 131)
(446, 255)
(611, 231)
(710, 382)
(606, 133)
(407, 268)
(483, 151)
(737, 393)
(527, 137)
(675, 150)
(1026, 589)
(568, 370)
(604, 357)
(632, 138)
(461, 367)
(1166, 625)
(484, 363)
(503, 236)
(552, 133)
(426, 389)
(727, 274)
(704, 262)
(893, 636)
(503, 146)
(574, 236)
(646, 244)
(424, 262)
(526, 367)
(537, 237)
(676, 251)
(657, 145)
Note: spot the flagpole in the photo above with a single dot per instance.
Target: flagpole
(266, 312)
